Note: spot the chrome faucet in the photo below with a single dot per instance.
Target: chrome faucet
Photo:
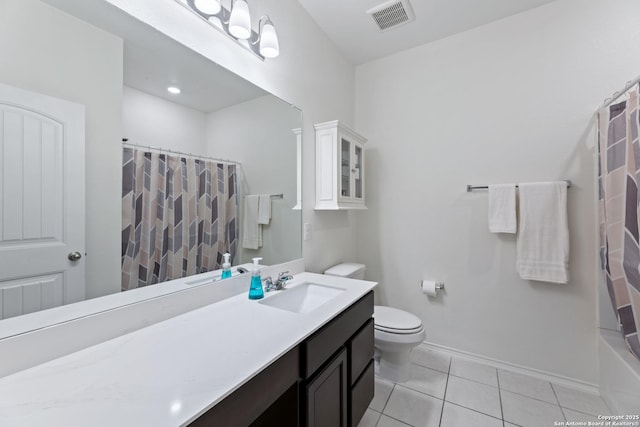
(279, 284)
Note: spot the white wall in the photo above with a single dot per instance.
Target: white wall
(512, 101)
(149, 120)
(47, 51)
(258, 134)
(310, 73)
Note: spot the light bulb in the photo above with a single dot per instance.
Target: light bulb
(208, 7)
(269, 46)
(174, 90)
(240, 20)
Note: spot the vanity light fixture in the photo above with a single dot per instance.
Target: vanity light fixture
(174, 90)
(240, 20)
(267, 38)
(210, 7)
(235, 22)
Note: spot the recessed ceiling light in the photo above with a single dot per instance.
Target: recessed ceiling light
(174, 90)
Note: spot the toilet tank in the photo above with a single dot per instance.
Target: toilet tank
(347, 269)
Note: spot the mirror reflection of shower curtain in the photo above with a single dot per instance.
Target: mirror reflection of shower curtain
(619, 178)
(179, 216)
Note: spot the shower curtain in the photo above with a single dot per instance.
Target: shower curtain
(179, 216)
(618, 179)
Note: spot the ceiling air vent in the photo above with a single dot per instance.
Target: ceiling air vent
(392, 14)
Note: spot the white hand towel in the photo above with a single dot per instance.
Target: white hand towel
(264, 209)
(502, 208)
(543, 238)
(252, 237)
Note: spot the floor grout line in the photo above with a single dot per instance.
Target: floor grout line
(580, 412)
(388, 397)
(444, 396)
(500, 398)
(475, 381)
(558, 400)
(429, 367)
(395, 419)
(530, 397)
(474, 410)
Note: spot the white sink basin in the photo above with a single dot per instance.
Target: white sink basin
(302, 298)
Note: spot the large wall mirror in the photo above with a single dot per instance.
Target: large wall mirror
(218, 116)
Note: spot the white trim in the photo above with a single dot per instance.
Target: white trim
(536, 373)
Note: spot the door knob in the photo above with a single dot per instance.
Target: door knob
(74, 256)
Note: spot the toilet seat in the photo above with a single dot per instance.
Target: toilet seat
(398, 331)
(394, 321)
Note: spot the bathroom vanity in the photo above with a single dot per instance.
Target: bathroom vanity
(298, 357)
(327, 380)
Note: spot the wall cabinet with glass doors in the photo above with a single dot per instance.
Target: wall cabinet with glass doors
(340, 167)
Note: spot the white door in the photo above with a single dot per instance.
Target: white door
(41, 202)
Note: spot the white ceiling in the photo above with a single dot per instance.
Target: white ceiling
(357, 36)
(153, 61)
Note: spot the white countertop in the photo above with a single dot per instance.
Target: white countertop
(169, 373)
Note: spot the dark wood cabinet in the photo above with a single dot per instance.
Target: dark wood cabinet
(350, 337)
(361, 349)
(266, 390)
(361, 394)
(326, 381)
(326, 395)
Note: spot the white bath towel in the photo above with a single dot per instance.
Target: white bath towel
(502, 208)
(543, 237)
(264, 209)
(252, 237)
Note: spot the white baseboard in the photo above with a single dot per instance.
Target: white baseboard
(536, 373)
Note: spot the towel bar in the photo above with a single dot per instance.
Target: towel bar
(470, 188)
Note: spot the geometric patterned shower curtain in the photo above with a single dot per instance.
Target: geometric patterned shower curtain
(179, 216)
(618, 179)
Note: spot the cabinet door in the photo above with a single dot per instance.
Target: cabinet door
(346, 155)
(351, 171)
(357, 172)
(327, 395)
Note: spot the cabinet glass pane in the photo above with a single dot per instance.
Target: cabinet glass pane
(345, 169)
(358, 172)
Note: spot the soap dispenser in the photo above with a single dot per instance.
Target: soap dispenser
(226, 266)
(255, 291)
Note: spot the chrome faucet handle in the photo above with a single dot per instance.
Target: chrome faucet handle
(268, 284)
(283, 278)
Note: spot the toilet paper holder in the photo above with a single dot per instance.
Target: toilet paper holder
(439, 285)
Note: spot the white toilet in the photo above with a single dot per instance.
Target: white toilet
(397, 332)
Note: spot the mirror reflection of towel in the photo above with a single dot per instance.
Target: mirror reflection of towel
(264, 209)
(252, 230)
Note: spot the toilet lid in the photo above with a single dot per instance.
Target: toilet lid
(391, 319)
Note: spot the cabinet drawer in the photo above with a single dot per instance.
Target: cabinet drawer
(361, 349)
(362, 394)
(324, 343)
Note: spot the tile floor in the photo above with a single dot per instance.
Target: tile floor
(452, 392)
